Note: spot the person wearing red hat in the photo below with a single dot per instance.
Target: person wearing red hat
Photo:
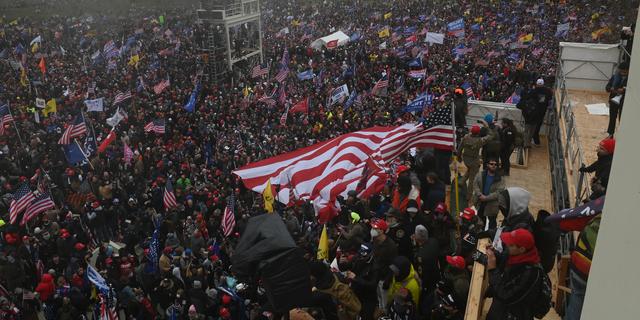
(469, 153)
(384, 251)
(454, 287)
(516, 284)
(601, 167)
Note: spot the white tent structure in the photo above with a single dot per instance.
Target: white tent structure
(588, 66)
(322, 42)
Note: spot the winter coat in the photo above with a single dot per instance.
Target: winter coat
(45, 288)
(513, 290)
(491, 205)
(407, 278)
(348, 303)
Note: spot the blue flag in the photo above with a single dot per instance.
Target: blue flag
(191, 104)
(351, 100)
(355, 36)
(306, 75)
(75, 155)
(417, 62)
(97, 280)
(418, 103)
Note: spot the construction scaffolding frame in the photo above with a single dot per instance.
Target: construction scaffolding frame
(232, 34)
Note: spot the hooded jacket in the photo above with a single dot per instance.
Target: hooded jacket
(406, 277)
(514, 202)
(45, 288)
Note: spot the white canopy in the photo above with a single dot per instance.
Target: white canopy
(322, 42)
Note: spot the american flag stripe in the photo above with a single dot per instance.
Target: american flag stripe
(259, 71)
(228, 218)
(380, 86)
(282, 75)
(128, 154)
(121, 96)
(156, 126)
(317, 171)
(169, 198)
(77, 129)
(158, 88)
(5, 117)
(21, 199)
(40, 204)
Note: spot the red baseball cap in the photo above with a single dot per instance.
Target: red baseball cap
(441, 208)
(456, 262)
(468, 213)
(475, 129)
(379, 224)
(519, 237)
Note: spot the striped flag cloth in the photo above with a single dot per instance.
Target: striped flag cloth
(74, 130)
(380, 88)
(418, 74)
(467, 89)
(108, 307)
(21, 199)
(282, 74)
(324, 171)
(260, 70)
(156, 126)
(5, 117)
(41, 203)
(228, 218)
(121, 97)
(169, 198)
(128, 154)
(158, 88)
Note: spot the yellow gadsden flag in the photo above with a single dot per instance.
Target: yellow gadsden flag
(267, 196)
(50, 107)
(323, 245)
(384, 33)
(133, 61)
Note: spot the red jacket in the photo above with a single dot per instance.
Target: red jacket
(45, 288)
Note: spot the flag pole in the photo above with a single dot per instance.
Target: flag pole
(16, 125)
(455, 169)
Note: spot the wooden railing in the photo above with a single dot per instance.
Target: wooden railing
(478, 286)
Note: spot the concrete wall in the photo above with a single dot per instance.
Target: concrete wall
(612, 291)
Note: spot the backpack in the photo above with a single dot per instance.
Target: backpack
(541, 301)
(518, 138)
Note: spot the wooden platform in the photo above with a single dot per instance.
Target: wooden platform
(591, 128)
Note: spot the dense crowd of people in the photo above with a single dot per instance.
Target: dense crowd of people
(404, 253)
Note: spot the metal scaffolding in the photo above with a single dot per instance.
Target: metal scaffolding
(230, 33)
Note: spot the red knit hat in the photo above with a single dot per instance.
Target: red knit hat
(475, 129)
(608, 144)
(456, 262)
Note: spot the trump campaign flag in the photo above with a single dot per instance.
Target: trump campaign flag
(338, 94)
(306, 75)
(456, 28)
(95, 105)
(433, 37)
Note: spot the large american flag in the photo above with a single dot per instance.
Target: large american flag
(169, 198)
(121, 97)
(40, 204)
(5, 117)
(21, 199)
(158, 88)
(74, 130)
(326, 170)
(380, 88)
(260, 70)
(156, 126)
(228, 218)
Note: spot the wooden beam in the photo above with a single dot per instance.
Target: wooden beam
(561, 289)
(479, 280)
